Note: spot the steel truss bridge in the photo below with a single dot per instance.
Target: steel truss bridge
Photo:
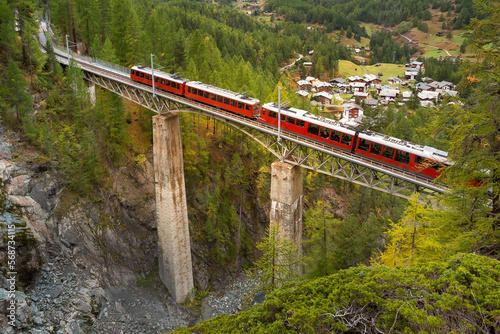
(289, 147)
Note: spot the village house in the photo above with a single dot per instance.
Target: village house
(353, 114)
(422, 86)
(357, 86)
(406, 95)
(355, 78)
(416, 65)
(324, 97)
(394, 81)
(360, 95)
(343, 88)
(411, 73)
(371, 102)
(304, 85)
(337, 81)
(303, 93)
(389, 95)
(322, 86)
(371, 80)
(428, 98)
(445, 85)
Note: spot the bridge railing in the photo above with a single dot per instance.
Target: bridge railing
(61, 50)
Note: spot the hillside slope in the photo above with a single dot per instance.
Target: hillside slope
(459, 295)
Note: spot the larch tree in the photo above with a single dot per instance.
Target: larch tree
(320, 226)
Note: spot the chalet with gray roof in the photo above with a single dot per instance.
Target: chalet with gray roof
(428, 98)
(304, 85)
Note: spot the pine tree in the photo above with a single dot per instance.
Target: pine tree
(319, 228)
(16, 87)
(278, 263)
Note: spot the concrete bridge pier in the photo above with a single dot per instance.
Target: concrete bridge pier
(171, 208)
(91, 88)
(286, 200)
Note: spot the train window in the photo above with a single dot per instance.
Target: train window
(168, 85)
(376, 148)
(220, 99)
(290, 120)
(241, 105)
(178, 86)
(227, 101)
(207, 95)
(283, 118)
(402, 157)
(148, 77)
(335, 137)
(213, 97)
(234, 104)
(248, 107)
(363, 144)
(200, 92)
(300, 123)
(142, 75)
(324, 133)
(436, 166)
(162, 81)
(189, 89)
(157, 80)
(420, 160)
(132, 72)
(313, 129)
(388, 152)
(272, 114)
(346, 139)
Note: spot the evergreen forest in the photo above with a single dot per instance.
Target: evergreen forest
(369, 261)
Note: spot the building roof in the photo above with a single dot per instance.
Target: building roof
(325, 95)
(302, 93)
(303, 82)
(322, 84)
(370, 77)
(338, 80)
(389, 93)
(407, 94)
(371, 101)
(357, 84)
(428, 95)
(352, 105)
(354, 78)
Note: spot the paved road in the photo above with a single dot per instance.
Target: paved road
(432, 46)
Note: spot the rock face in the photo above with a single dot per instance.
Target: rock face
(80, 261)
(80, 271)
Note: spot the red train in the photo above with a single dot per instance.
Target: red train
(424, 160)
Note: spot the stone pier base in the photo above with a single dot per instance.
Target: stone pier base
(171, 208)
(91, 88)
(286, 200)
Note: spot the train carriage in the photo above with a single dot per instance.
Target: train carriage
(424, 160)
(163, 81)
(313, 126)
(222, 98)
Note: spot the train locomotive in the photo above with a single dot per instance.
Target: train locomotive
(423, 160)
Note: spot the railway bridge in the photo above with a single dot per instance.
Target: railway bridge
(293, 153)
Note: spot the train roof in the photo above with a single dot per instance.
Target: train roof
(423, 151)
(223, 92)
(160, 74)
(316, 119)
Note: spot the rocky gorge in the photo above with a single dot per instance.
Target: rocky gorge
(88, 265)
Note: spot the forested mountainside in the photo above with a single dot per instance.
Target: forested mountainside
(227, 175)
(341, 14)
